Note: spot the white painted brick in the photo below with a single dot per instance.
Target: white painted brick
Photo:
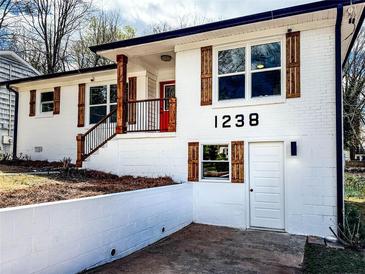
(71, 245)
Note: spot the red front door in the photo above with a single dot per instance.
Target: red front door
(167, 90)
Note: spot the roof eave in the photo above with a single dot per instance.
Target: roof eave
(249, 19)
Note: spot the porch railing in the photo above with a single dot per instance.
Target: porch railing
(96, 137)
(151, 115)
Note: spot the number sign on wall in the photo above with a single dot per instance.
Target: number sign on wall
(228, 121)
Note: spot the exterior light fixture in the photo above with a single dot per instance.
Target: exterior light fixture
(293, 149)
(166, 58)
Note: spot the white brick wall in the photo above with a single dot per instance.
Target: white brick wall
(310, 178)
(69, 236)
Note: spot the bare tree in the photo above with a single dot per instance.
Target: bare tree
(6, 7)
(104, 27)
(181, 22)
(48, 26)
(354, 96)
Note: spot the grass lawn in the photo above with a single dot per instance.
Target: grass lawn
(321, 259)
(16, 182)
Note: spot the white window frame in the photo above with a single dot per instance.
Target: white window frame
(249, 100)
(107, 104)
(46, 102)
(201, 156)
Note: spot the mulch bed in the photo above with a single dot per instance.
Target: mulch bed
(74, 183)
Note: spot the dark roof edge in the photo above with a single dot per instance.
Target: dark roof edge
(59, 74)
(249, 19)
(354, 36)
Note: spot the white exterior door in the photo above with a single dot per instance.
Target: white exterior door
(266, 172)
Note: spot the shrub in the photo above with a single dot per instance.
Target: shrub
(352, 233)
(355, 186)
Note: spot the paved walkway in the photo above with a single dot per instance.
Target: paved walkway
(211, 249)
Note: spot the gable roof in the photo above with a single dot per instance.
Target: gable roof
(244, 20)
(16, 57)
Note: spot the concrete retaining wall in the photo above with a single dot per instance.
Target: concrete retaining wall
(70, 236)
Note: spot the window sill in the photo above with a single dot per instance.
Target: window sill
(44, 115)
(249, 102)
(207, 181)
(146, 135)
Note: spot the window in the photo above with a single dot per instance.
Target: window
(215, 162)
(47, 101)
(231, 74)
(258, 71)
(103, 99)
(266, 69)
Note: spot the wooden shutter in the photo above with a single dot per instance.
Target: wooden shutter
(132, 96)
(293, 64)
(206, 76)
(56, 100)
(81, 106)
(237, 160)
(193, 162)
(32, 102)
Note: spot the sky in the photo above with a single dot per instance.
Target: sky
(141, 14)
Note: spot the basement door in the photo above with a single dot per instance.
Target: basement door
(266, 175)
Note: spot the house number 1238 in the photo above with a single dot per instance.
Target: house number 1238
(227, 121)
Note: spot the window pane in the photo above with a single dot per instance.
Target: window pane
(46, 107)
(47, 96)
(215, 152)
(266, 83)
(97, 113)
(113, 93)
(98, 95)
(113, 118)
(217, 170)
(232, 60)
(265, 56)
(231, 87)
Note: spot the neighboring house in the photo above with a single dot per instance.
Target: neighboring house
(249, 109)
(11, 67)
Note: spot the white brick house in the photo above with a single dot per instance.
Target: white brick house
(247, 109)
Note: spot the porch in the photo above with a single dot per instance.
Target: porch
(211, 249)
(142, 100)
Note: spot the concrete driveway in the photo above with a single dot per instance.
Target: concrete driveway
(211, 249)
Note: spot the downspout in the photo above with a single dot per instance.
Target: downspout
(16, 110)
(339, 121)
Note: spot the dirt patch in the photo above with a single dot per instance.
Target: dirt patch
(26, 189)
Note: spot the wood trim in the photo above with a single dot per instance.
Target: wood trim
(237, 162)
(56, 100)
(80, 139)
(81, 106)
(32, 102)
(193, 161)
(293, 65)
(172, 115)
(132, 96)
(206, 76)
(122, 61)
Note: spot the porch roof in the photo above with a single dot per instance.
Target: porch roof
(290, 16)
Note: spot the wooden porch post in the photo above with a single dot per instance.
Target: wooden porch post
(172, 115)
(80, 149)
(122, 61)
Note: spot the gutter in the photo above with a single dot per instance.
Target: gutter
(16, 111)
(339, 119)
